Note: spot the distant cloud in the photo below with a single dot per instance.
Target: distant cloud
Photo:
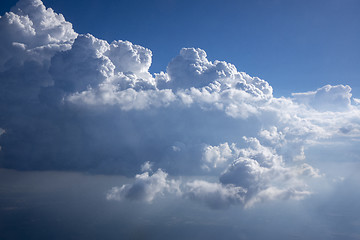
(215, 156)
(327, 98)
(145, 188)
(215, 195)
(259, 171)
(75, 102)
(146, 167)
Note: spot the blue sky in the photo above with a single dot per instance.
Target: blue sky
(179, 120)
(294, 45)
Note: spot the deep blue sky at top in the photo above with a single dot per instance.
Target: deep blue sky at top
(294, 45)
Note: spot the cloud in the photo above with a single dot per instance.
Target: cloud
(260, 170)
(192, 69)
(356, 101)
(147, 167)
(327, 98)
(213, 156)
(145, 187)
(31, 32)
(92, 63)
(215, 195)
(256, 174)
(128, 57)
(75, 102)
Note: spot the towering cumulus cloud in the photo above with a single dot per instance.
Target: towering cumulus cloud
(75, 102)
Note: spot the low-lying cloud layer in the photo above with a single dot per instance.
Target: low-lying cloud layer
(75, 102)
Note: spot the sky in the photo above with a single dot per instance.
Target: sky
(179, 119)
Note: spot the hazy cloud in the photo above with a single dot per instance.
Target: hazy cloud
(145, 187)
(327, 98)
(215, 195)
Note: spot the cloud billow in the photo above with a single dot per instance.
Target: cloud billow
(75, 102)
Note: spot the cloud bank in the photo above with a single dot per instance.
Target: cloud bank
(75, 102)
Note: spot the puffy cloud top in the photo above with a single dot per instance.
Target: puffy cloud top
(83, 66)
(192, 69)
(32, 32)
(128, 57)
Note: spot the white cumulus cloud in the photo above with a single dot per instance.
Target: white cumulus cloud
(75, 102)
